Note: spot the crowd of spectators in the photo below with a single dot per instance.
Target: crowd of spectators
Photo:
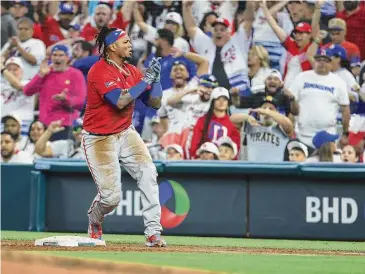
(258, 81)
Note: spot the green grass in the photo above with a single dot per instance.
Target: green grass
(231, 263)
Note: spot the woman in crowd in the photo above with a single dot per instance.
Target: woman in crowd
(36, 129)
(258, 64)
(349, 155)
(216, 123)
(326, 150)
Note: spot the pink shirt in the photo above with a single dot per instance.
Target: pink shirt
(54, 83)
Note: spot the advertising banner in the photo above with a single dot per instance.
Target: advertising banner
(307, 208)
(190, 206)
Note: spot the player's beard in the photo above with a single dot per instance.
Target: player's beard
(127, 59)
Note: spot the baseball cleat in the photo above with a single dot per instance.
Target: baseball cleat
(155, 241)
(95, 231)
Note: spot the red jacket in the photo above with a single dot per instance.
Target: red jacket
(218, 127)
(51, 31)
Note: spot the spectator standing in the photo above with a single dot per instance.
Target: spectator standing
(267, 132)
(298, 152)
(9, 152)
(338, 29)
(70, 148)
(208, 151)
(62, 91)
(325, 144)
(103, 17)
(349, 155)
(8, 24)
(54, 30)
(13, 99)
(265, 36)
(13, 125)
(297, 60)
(223, 9)
(227, 53)
(320, 94)
(36, 129)
(19, 9)
(31, 51)
(354, 16)
(216, 123)
(173, 22)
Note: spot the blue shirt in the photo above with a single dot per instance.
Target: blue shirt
(166, 65)
(84, 64)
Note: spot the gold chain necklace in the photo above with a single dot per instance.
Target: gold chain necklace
(119, 67)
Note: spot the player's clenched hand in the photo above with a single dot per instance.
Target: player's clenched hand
(152, 72)
(55, 126)
(61, 96)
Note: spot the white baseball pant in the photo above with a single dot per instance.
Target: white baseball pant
(104, 156)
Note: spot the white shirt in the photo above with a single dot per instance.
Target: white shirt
(225, 10)
(258, 81)
(319, 98)
(179, 42)
(350, 81)
(66, 149)
(20, 157)
(185, 113)
(233, 54)
(14, 101)
(35, 47)
(315, 159)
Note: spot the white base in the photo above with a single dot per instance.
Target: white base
(69, 241)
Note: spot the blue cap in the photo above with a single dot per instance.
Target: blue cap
(180, 62)
(208, 80)
(323, 137)
(66, 8)
(322, 52)
(75, 27)
(62, 48)
(336, 50)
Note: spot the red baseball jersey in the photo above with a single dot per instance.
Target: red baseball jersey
(218, 127)
(100, 117)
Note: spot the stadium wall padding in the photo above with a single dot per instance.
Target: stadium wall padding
(203, 198)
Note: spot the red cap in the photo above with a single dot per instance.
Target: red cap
(222, 21)
(303, 27)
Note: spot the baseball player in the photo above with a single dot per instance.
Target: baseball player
(109, 139)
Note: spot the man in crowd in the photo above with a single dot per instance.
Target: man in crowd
(83, 59)
(354, 16)
(13, 99)
(9, 152)
(8, 24)
(228, 53)
(31, 51)
(267, 131)
(274, 87)
(164, 49)
(319, 94)
(13, 125)
(103, 17)
(70, 148)
(62, 91)
(19, 9)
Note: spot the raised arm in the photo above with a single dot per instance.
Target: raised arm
(316, 18)
(274, 25)
(277, 7)
(189, 21)
(201, 62)
(41, 147)
(127, 10)
(282, 120)
(138, 18)
(313, 48)
(177, 97)
(35, 85)
(13, 81)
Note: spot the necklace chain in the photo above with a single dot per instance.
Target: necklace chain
(127, 73)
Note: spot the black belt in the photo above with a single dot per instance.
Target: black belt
(99, 134)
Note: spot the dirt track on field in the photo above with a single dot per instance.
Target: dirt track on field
(15, 262)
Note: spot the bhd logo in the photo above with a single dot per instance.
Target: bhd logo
(173, 191)
(342, 210)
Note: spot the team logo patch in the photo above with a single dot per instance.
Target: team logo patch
(109, 84)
